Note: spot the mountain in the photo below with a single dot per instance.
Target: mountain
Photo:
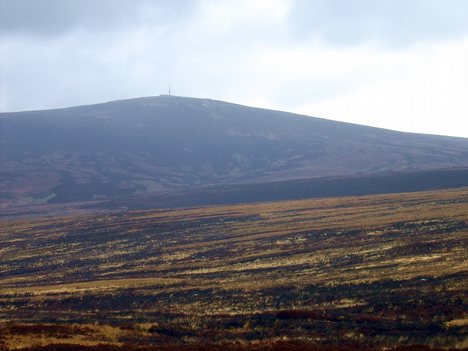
(156, 145)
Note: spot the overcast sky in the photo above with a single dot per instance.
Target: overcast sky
(398, 64)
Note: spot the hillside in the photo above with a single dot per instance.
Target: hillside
(386, 272)
(162, 144)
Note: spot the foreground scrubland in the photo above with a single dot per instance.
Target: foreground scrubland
(371, 272)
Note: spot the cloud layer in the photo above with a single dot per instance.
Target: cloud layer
(399, 64)
(393, 23)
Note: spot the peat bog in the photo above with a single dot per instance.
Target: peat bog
(369, 272)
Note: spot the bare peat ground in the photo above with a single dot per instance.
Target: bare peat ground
(368, 273)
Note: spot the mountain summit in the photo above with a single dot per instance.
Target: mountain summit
(166, 143)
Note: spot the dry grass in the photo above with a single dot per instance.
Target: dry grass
(371, 270)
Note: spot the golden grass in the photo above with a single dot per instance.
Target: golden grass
(314, 255)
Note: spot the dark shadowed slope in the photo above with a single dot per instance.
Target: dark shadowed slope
(166, 143)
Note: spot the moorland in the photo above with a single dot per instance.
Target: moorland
(164, 145)
(358, 272)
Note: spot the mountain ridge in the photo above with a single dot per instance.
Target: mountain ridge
(167, 143)
(175, 97)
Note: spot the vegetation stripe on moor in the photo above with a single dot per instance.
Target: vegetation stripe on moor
(369, 272)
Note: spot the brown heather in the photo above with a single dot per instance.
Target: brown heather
(367, 273)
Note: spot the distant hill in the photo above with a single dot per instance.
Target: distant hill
(156, 145)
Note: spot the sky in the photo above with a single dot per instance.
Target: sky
(397, 64)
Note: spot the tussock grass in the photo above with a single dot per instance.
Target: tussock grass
(370, 272)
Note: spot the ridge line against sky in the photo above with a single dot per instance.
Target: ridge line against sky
(396, 64)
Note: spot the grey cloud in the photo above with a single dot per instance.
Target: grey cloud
(383, 22)
(51, 18)
(56, 53)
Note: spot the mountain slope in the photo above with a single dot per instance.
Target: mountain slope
(165, 143)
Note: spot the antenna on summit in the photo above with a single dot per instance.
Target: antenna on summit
(169, 89)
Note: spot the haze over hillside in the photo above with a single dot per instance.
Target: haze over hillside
(168, 143)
